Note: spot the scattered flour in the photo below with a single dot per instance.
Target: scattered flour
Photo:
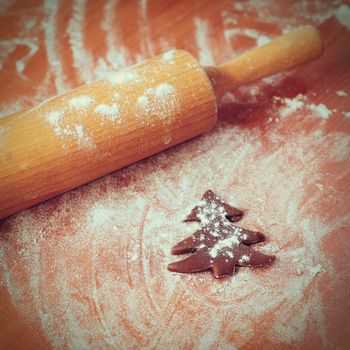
(82, 58)
(342, 93)
(126, 75)
(50, 27)
(80, 102)
(291, 105)
(20, 66)
(146, 42)
(125, 256)
(8, 46)
(204, 51)
(254, 34)
(244, 259)
(160, 100)
(228, 98)
(260, 39)
(54, 118)
(57, 119)
(343, 15)
(223, 245)
(110, 111)
(79, 131)
(99, 215)
(126, 260)
(117, 55)
(162, 91)
(299, 267)
(143, 102)
(320, 111)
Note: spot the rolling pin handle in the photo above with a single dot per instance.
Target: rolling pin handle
(285, 52)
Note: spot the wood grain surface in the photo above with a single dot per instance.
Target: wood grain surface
(87, 270)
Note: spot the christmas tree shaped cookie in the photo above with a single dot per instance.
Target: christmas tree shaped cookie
(218, 245)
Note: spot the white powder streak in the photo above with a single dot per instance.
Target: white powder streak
(117, 54)
(45, 317)
(50, 25)
(250, 33)
(108, 336)
(82, 59)
(204, 49)
(143, 7)
(76, 334)
(147, 48)
(8, 46)
(226, 243)
(261, 294)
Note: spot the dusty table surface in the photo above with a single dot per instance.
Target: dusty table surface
(87, 270)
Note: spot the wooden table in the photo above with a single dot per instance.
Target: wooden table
(88, 269)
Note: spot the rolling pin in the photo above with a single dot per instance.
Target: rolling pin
(88, 132)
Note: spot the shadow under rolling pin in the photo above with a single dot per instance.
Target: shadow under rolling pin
(98, 128)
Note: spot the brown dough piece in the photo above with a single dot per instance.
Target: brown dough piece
(218, 245)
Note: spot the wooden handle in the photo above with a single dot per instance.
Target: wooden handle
(284, 52)
(98, 128)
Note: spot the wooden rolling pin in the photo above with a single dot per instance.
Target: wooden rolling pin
(98, 128)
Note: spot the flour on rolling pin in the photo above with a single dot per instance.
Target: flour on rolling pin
(160, 100)
(101, 127)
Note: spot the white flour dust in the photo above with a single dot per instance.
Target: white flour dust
(103, 248)
(202, 39)
(110, 111)
(80, 102)
(139, 241)
(160, 100)
(82, 59)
